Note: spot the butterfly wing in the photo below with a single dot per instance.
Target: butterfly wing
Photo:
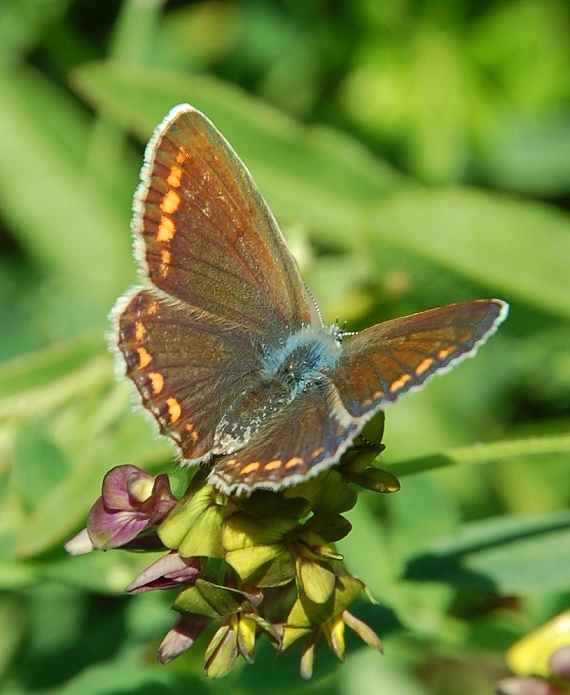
(220, 287)
(205, 235)
(305, 437)
(376, 367)
(384, 361)
(187, 365)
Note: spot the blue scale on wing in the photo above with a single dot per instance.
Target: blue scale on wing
(288, 371)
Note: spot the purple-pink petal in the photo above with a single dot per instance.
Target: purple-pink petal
(180, 637)
(167, 572)
(114, 529)
(560, 662)
(119, 491)
(131, 502)
(163, 500)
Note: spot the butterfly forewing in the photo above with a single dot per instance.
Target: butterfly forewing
(384, 361)
(208, 237)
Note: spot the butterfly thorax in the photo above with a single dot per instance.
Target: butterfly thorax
(304, 357)
(288, 370)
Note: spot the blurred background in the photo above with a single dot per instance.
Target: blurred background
(415, 154)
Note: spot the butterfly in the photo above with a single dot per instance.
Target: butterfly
(226, 346)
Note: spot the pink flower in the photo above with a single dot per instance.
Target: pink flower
(131, 503)
(168, 572)
(181, 637)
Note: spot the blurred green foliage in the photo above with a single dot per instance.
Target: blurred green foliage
(415, 153)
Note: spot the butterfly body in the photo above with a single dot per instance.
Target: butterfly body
(305, 355)
(224, 342)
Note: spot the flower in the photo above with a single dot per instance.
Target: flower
(236, 609)
(168, 572)
(132, 502)
(313, 620)
(541, 661)
(180, 637)
(264, 565)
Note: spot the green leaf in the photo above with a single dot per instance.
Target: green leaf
(529, 153)
(324, 176)
(42, 368)
(16, 575)
(508, 555)
(263, 565)
(13, 632)
(98, 572)
(211, 600)
(516, 247)
(39, 463)
(71, 221)
(68, 394)
(486, 453)
(126, 676)
(191, 600)
(331, 527)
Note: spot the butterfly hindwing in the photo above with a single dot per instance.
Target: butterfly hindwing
(305, 437)
(187, 365)
(384, 361)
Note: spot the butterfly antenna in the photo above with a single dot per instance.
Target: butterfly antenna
(315, 305)
(343, 328)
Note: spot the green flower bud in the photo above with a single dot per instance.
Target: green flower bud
(194, 526)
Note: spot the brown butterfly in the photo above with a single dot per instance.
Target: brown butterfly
(225, 344)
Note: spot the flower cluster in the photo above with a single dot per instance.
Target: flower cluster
(541, 661)
(244, 567)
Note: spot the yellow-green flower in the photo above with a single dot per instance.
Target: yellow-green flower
(313, 621)
(194, 526)
(237, 610)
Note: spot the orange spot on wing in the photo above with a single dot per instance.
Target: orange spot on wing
(368, 401)
(140, 331)
(400, 383)
(171, 202)
(317, 452)
(424, 365)
(253, 466)
(157, 381)
(165, 258)
(294, 461)
(174, 409)
(153, 308)
(192, 432)
(174, 178)
(272, 465)
(182, 156)
(444, 354)
(166, 229)
(144, 357)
